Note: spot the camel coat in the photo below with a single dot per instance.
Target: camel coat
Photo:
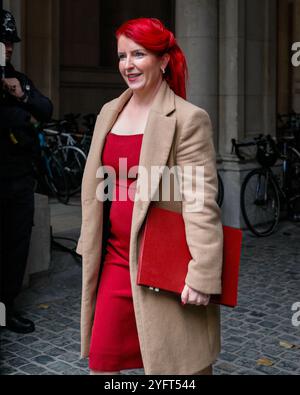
(174, 339)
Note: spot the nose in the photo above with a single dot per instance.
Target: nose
(128, 63)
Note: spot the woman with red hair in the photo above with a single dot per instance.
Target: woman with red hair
(125, 326)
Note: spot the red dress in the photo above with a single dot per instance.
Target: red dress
(114, 343)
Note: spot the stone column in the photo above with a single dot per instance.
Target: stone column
(232, 103)
(283, 54)
(296, 70)
(197, 34)
(42, 46)
(260, 73)
(232, 74)
(247, 88)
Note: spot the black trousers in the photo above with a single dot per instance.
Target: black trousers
(16, 220)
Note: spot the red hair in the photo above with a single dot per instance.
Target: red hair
(156, 38)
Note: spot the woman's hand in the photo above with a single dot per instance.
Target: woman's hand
(191, 296)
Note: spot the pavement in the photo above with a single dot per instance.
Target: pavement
(259, 337)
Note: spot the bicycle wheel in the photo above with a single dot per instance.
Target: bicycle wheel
(293, 183)
(72, 160)
(57, 181)
(260, 203)
(220, 197)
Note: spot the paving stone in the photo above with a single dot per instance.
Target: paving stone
(273, 351)
(225, 356)
(73, 347)
(256, 314)
(289, 366)
(249, 372)
(33, 369)
(133, 372)
(249, 353)
(82, 363)
(56, 352)
(16, 348)
(41, 345)
(7, 370)
(61, 368)
(4, 342)
(43, 359)
(227, 367)
(236, 340)
(17, 362)
(291, 357)
(269, 370)
(230, 347)
(246, 362)
(69, 357)
(28, 340)
(268, 324)
(269, 285)
(6, 355)
(30, 353)
(61, 342)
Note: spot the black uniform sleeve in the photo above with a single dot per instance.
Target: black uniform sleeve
(16, 114)
(38, 105)
(13, 117)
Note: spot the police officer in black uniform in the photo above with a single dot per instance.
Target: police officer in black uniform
(20, 105)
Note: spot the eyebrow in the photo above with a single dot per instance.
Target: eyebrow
(135, 50)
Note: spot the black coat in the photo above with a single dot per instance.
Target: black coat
(16, 154)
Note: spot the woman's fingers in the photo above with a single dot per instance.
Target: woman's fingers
(194, 297)
(185, 294)
(199, 299)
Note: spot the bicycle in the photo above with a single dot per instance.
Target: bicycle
(89, 122)
(220, 197)
(262, 196)
(71, 157)
(49, 173)
(84, 133)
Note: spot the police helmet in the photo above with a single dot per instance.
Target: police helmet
(8, 28)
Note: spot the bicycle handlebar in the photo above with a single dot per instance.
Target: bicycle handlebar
(255, 142)
(236, 147)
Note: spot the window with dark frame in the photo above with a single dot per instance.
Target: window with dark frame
(88, 28)
(115, 12)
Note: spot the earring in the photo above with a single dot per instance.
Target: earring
(163, 71)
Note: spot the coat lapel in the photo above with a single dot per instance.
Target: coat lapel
(157, 142)
(156, 145)
(105, 121)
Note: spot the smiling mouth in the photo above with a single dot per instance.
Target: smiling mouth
(133, 76)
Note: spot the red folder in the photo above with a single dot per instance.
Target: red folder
(164, 256)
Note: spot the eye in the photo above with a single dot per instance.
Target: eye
(139, 54)
(121, 56)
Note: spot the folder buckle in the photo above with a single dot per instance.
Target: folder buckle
(154, 289)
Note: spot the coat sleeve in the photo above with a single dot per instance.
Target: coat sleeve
(79, 246)
(203, 226)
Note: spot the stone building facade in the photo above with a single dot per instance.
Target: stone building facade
(238, 51)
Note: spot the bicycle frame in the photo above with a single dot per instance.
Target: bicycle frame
(286, 181)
